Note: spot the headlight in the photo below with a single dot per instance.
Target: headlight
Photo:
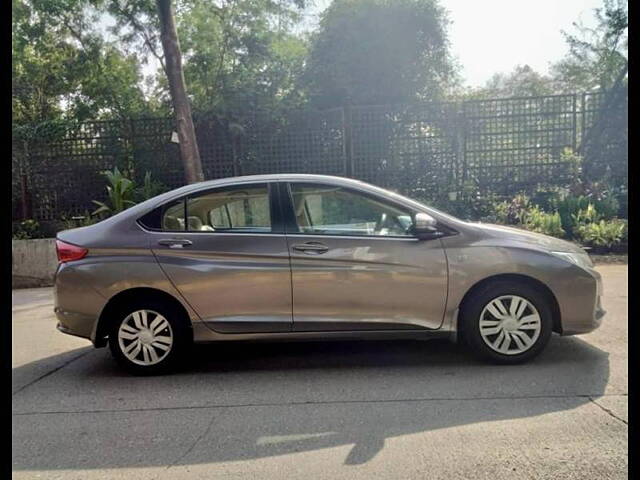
(580, 259)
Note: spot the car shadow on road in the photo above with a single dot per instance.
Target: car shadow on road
(254, 400)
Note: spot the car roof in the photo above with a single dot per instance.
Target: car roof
(271, 177)
(282, 177)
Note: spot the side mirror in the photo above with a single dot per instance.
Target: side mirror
(425, 226)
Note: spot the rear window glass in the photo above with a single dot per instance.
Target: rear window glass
(173, 217)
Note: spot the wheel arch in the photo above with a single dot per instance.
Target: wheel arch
(516, 277)
(132, 294)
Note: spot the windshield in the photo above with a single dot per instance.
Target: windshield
(420, 205)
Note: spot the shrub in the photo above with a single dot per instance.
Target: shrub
(585, 216)
(84, 220)
(605, 233)
(568, 208)
(549, 198)
(119, 193)
(149, 189)
(541, 222)
(27, 229)
(498, 213)
(517, 209)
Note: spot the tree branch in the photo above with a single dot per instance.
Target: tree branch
(147, 40)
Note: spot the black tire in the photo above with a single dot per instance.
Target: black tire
(179, 329)
(472, 309)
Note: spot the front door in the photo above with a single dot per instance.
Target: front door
(355, 266)
(225, 253)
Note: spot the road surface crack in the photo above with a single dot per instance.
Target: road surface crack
(607, 410)
(197, 440)
(50, 372)
(313, 402)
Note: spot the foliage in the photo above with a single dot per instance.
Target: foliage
(586, 216)
(379, 52)
(62, 67)
(589, 220)
(76, 221)
(523, 81)
(517, 208)
(243, 55)
(539, 221)
(569, 209)
(119, 192)
(238, 55)
(26, 230)
(574, 209)
(605, 233)
(597, 55)
(149, 189)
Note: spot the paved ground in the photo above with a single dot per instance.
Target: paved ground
(322, 410)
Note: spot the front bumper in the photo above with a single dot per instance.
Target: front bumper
(591, 319)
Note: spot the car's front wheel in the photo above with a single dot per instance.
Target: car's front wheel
(507, 322)
(149, 337)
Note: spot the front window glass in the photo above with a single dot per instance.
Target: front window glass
(330, 210)
(241, 208)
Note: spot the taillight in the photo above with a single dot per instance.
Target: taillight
(67, 252)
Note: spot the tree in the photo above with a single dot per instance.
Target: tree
(239, 56)
(175, 76)
(598, 56)
(523, 81)
(242, 55)
(380, 52)
(63, 68)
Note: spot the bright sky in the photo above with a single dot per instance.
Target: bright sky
(491, 36)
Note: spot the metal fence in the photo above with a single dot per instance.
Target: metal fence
(500, 146)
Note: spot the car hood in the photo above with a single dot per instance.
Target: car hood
(510, 234)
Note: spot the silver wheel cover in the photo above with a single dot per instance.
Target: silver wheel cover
(510, 325)
(145, 337)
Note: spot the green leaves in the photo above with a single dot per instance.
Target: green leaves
(241, 55)
(150, 188)
(64, 67)
(380, 52)
(605, 233)
(542, 222)
(122, 193)
(119, 193)
(597, 54)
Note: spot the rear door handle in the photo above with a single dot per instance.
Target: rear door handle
(311, 248)
(175, 242)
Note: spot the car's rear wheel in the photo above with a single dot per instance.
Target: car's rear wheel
(148, 337)
(507, 322)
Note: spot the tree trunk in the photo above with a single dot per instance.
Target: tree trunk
(173, 60)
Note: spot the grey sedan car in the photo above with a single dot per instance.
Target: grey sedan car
(313, 257)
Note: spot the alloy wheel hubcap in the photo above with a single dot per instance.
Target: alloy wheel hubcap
(510, 324)
(145, 337)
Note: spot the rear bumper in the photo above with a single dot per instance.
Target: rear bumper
(75, 324)
(77, 305)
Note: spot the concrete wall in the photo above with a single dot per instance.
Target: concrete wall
(33, 262)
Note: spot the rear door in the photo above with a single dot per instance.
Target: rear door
(354, 264)
(226, 252)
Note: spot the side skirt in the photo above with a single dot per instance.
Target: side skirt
(203, 334)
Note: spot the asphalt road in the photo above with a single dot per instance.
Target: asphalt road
(321, 410)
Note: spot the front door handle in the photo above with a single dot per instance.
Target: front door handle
(175, 242)
(311, 248)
